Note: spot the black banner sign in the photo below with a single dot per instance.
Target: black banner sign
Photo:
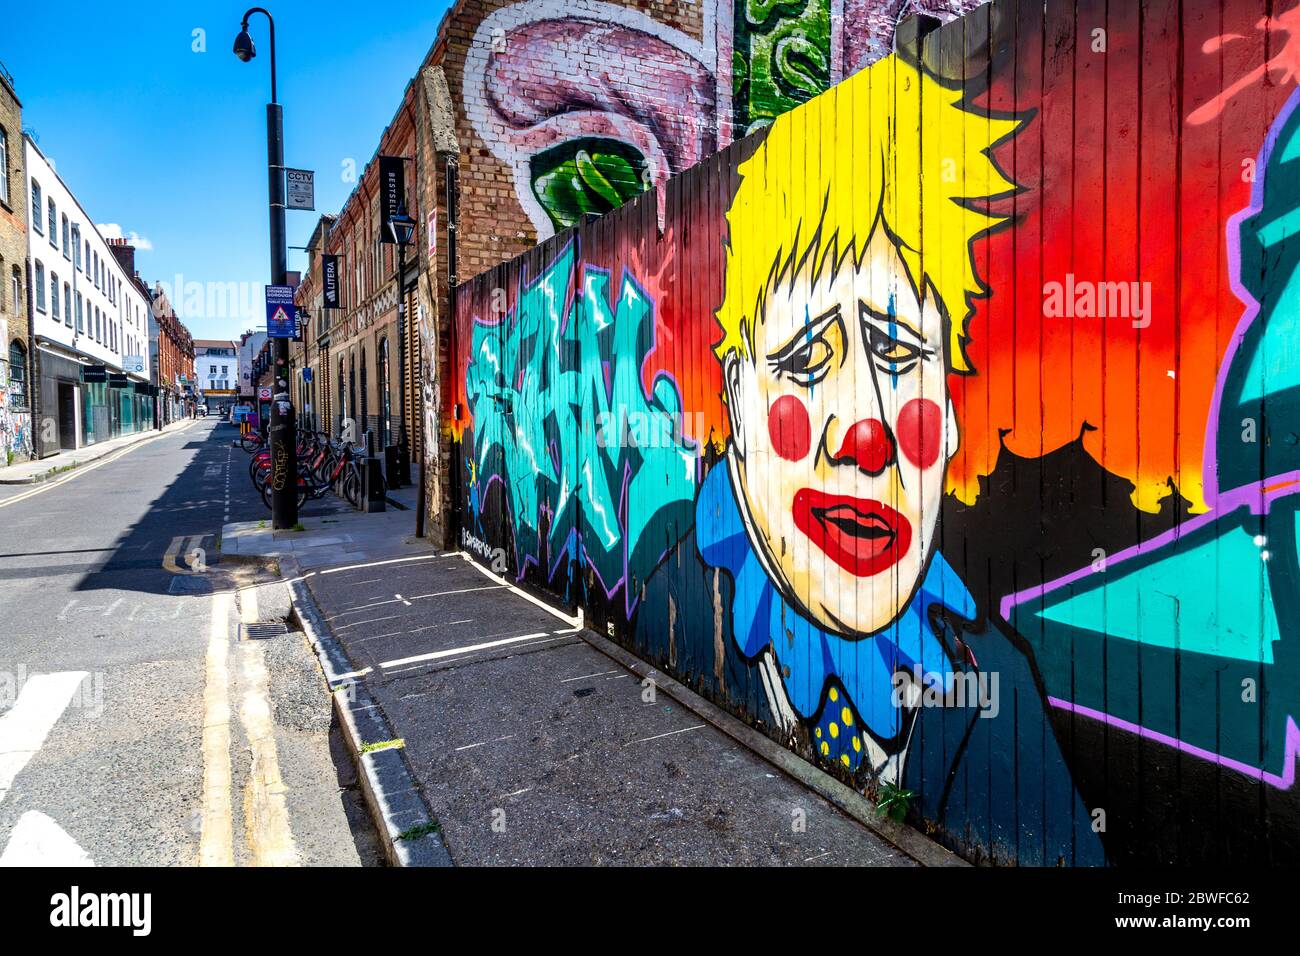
(94, 373)
(330, 281)
(392, 190)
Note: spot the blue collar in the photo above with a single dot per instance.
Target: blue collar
(809, 656)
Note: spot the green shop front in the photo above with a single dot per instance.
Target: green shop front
(113, 405)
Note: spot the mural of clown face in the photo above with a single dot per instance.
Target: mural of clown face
(842, 428)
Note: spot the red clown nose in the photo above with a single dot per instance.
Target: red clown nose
(868, 445)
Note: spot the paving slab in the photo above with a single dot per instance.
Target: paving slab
(530, 747)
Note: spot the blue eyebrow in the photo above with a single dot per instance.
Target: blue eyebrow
(893, 334)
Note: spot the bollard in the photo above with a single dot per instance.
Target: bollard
(373, 486)
(391, 466)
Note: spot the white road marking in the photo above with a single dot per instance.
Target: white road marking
(25, 725)
(413, 630)
(569, 680)
(484, 743)
(669, 734)
(216, 839)
(574, 622)
(39, 841)
(516, 647)
(187, 545)
(450, 652)
(375, 564)
(402, 599)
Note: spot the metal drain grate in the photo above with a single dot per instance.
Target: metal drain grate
(262, 630)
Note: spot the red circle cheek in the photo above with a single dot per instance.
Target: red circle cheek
(788, 427)
(920, 431)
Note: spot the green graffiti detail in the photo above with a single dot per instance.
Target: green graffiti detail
(787, 45)
(562, 419)
(585, 176)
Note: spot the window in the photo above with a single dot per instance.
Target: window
(54, 297)
(53, 223)
(352, 393)
(4, 166)
(212, 370)
(225, 370)
(16, 287)
(365, 418)
(40, 287)
(343, 404)
(87, 254)
(67, 242)
(18, 376)
(80, 323)
(37, 209)
(385, 403)
(67, 305)
(76, 245)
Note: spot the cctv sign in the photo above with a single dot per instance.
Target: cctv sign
(299, 189)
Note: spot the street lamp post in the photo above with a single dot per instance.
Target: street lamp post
(402, 228)
(284, 458)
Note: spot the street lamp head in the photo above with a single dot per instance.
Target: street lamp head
(402, 227)
(244, 44)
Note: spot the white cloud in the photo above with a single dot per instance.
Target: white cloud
(111, 230)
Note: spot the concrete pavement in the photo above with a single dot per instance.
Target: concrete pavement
(526, 744)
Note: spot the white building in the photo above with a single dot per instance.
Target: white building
(90, 322)
(216, 366)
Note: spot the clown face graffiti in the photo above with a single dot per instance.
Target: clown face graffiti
(842, 428)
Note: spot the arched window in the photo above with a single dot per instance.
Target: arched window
(343, 401)
(385, 403)
(352, 397)
(365, 400)
(17, 377)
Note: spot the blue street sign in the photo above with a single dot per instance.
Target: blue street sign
(281, 313)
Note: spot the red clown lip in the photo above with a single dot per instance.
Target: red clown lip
(862, 536)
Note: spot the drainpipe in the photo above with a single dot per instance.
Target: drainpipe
(33, 355)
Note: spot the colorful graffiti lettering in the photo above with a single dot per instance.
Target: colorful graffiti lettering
(581, 449)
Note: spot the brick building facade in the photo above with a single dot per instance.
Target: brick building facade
(171, 353)
(525, 118)
(353, 350)
(15, 347)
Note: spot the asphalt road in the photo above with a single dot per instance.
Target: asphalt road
(137, 725)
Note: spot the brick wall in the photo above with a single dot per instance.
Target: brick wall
(568, 108)
(15, 416)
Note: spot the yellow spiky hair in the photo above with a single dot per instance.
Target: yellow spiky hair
(890, 145)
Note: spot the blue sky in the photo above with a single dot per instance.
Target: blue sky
(170, 143)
